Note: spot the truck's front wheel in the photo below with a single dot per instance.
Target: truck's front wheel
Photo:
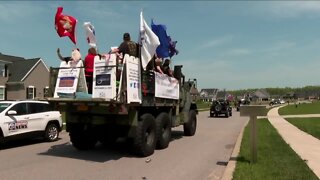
(145, 139)
(82, 138)
(190, 127)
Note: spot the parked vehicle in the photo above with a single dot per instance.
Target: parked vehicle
(219, 107)
(242, 102)
(276, 101)
(26, 119)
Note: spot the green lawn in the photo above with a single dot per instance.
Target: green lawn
(203, 105)
(308, 125)
(276, 160)
(303, 108)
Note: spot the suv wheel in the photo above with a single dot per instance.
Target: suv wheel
(51, 133)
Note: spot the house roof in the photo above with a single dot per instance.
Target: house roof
(209, 91)
(261, 93)
(194, 90)
(8, 58)
(18, 70)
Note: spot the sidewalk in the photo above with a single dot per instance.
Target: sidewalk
(305, 145)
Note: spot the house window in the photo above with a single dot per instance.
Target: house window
(2, 92)
(46, 92)
(31, 92)
(2, 70)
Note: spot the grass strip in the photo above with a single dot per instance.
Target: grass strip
(308, 125)
(303, 108)
(276, 160)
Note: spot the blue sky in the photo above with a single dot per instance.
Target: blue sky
(223, 44)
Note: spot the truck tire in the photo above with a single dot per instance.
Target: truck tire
(82, 139)
(145, 139)
(51, 133)
(189, 128)
(163, 130)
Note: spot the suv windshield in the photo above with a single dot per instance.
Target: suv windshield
(4, 106)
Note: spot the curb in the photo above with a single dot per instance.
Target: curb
(228, 172)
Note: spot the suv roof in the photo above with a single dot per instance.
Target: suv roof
(17, 101)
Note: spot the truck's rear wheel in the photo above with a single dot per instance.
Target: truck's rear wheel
(163, 129)
(82, 139)
(145, 139)
(190, 127)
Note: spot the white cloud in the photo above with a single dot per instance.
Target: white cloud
(292, 9)
(13, 12)
(238, 51)
(219, 73)
(278, 47)
(98, 10)
(216, 42)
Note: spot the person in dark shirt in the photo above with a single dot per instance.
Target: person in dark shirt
(166, 68)
(128, 47)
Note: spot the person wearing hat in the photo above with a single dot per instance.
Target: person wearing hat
(128, 47)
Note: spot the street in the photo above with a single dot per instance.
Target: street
(198, 157)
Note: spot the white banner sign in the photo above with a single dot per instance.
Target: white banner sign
(104, 81)
(68, 78)
(133, 79)
(166, 87)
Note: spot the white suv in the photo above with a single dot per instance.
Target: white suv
(22, 119)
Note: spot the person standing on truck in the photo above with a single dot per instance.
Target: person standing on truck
(127, 46)
(88, 65)
(166, 68)
(158, 65)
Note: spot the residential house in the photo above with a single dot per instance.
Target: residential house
(22, 78)
(194, 93)
(222, 95)
(208, 94)
(260, 95)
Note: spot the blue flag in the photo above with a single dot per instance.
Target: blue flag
(172, 47)
(163, 48)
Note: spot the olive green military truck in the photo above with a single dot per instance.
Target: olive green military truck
(146, 123)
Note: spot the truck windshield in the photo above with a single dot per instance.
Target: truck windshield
(4, 106)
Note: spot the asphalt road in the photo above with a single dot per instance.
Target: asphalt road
(203, 156)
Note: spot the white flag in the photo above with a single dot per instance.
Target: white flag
(149, 42)
(90, 33)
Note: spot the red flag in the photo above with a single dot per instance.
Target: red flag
(65, 25)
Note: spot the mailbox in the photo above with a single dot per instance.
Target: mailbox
(253, 110)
